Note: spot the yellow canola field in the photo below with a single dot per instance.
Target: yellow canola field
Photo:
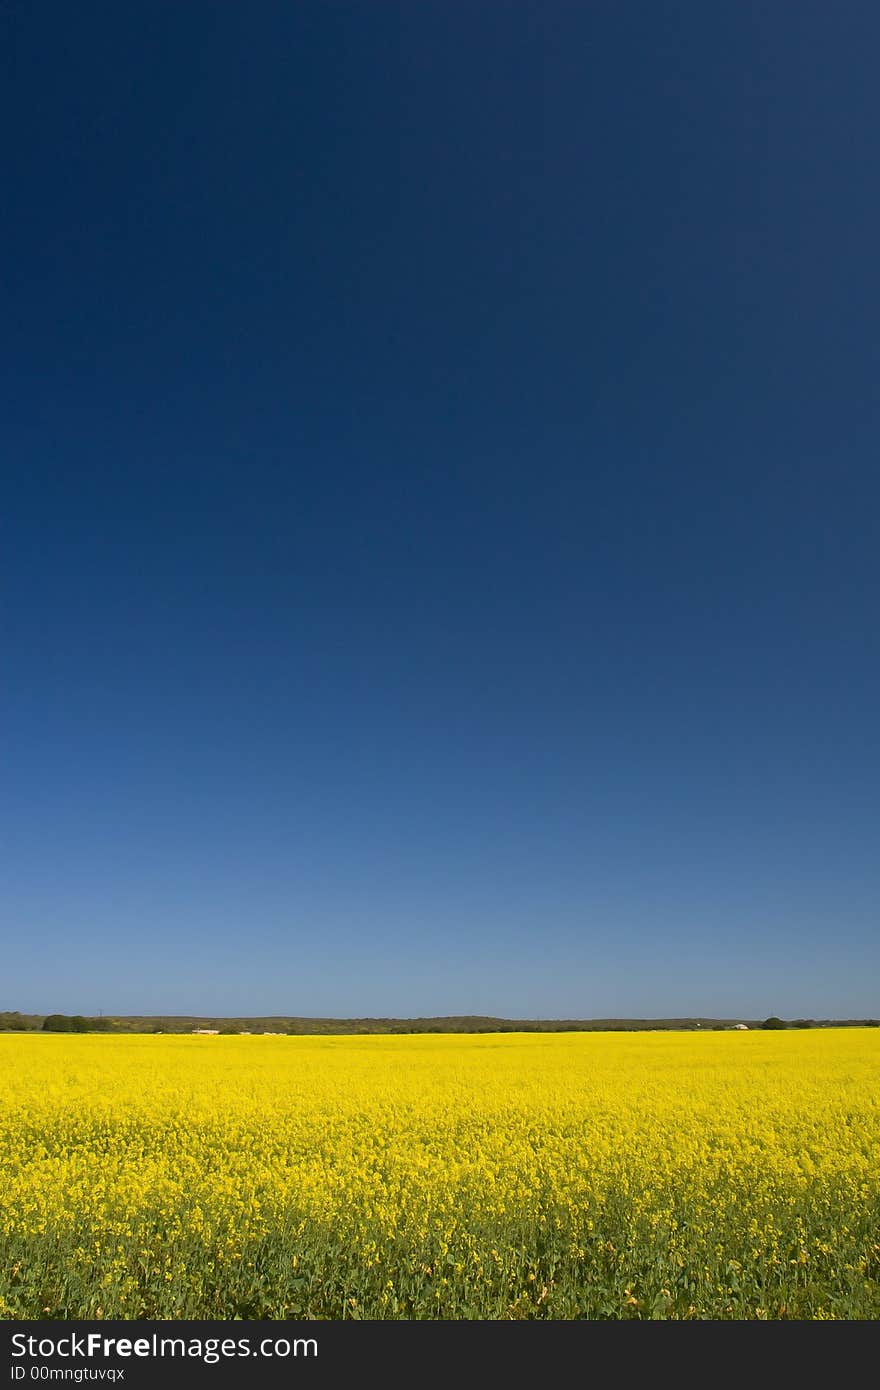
(592, 1175)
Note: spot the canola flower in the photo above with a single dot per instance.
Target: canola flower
(658, 1175)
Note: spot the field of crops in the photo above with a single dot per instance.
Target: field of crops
(725, 1175)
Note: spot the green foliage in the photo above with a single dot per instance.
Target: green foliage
(13, 1021)
(75, 1023)
(518, 1269)
(774, 1022)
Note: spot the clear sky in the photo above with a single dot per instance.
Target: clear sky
(440, 543)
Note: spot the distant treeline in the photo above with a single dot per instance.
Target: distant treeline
(298, 1027)
(75, 1023)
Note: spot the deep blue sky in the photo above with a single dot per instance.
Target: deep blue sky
(440, 544)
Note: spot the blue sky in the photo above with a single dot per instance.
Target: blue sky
(440, 525)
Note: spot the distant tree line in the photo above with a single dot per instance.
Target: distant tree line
(75, 1023)
(773, 1023)
(11, 1021)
